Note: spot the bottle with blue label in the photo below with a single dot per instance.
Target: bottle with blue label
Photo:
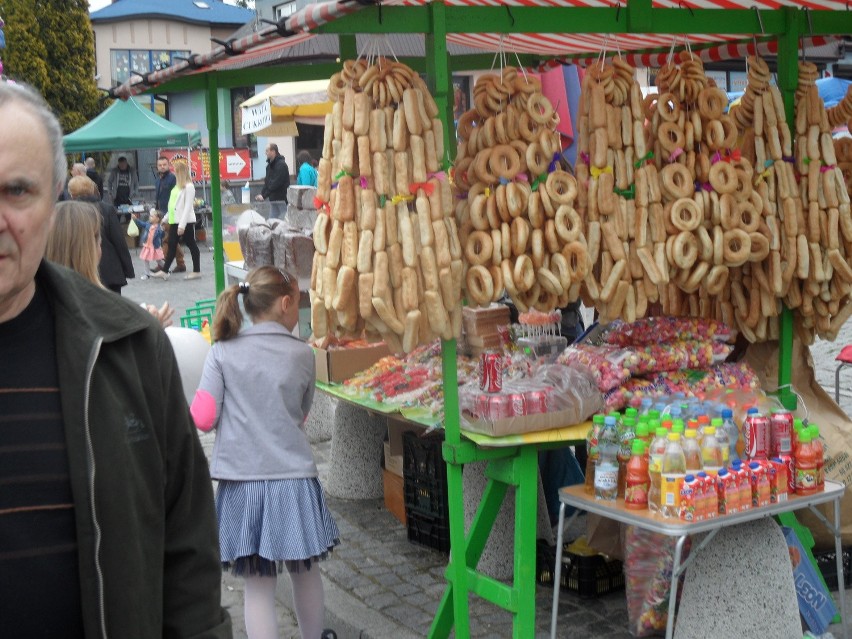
(733, 433)
(606, 467)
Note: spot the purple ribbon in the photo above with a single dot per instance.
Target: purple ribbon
(364, 183)
(554, 163)
(826, 167)
(585, 157)
(716, 157)
(788, 158)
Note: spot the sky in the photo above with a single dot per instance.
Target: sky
(94, 5)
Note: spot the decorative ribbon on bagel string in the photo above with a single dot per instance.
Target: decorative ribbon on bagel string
(401, 197)
(383, 199)
(438, 175)
(732, 155)
(595, 172)
(541, 179)
(675, 154)
(645, 158)
(365, 184)
(320, 205)
(762, 176)
(704, 186)
(585, 158)
(628, 194)
(427, 187)
(716, 157)
(338, 176)
(827, 167)
(554, 162)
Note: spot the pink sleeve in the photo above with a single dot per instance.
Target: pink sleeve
(203, 410)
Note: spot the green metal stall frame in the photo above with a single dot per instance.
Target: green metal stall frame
(514, 466)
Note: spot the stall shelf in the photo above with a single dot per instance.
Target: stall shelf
(573, 29)
(575, 496)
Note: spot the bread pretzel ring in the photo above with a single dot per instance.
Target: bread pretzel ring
(749, 217)
(685, 250)
(539, 108)
(523, 274)
(568, 223)
(549, 281)
(714, 135)
(508, 277)
(686, 215)
(497, 282)
(668, 107)
(478, 248)
(520, 236)
(528, 128)
(729, 127)
(561, 268)
(737, 247)
(677, 181)
(467, 121)
(480, 286)
(504, 161)
(537, 247)
(478, 216)
(536, 215)
(537, 161)
(548, 141)
(744, 188)
(670, 136)
(711, 103)
(561, 187)
(481, 167)
(551, 240)
(723, 177)
(578, 260)
(531, 297)
(649, 105)
(759, 247)
(516, 199)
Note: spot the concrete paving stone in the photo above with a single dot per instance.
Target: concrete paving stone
(420, 599)
(388, 580)
(383, 600)
(405, 589)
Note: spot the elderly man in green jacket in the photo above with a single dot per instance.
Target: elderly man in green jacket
(107, 525)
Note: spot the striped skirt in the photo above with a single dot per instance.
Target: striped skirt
(265, 525)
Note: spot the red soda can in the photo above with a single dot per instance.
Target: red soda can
(756, 432)
(491, 371)
(481, 406)
(499, 406)
(781, 433)
(536, 402)
(519, 404)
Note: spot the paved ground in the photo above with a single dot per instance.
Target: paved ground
(378, 585)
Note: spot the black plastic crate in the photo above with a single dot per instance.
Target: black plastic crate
(426, 497)
(589, 577)
(422, 458)
(432, 532)
(827, 564)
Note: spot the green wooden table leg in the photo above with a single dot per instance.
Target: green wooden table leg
(526, 510)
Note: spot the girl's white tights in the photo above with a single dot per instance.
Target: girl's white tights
(308, 600)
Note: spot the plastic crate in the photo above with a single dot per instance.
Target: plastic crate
(422, 458)
(432, 532)
(589, 577)
(827, 564)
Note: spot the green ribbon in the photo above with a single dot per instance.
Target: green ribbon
(539, 180)
(648, 156)
(383, 200)
(341, 174)
(807, 160)
(628, 194)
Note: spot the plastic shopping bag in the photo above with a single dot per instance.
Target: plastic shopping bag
(132, 229)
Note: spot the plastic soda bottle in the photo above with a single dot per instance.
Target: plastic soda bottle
(798, 425)
(806, 465)
(672, 473)
(655, 467)
(711, 452)
(592, 452)
(638, 480)
(733, 433)
(646, 405)
(606, 468)
(626, 434)
(722, 438)
(816, 442)
(759, 485)
(692, 451)
(643, 434)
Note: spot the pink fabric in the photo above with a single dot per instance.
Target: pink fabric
(553, 88)
(203, 410)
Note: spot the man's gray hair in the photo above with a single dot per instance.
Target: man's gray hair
(36, 106)
(90, 163)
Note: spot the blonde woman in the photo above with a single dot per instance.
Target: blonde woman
(75, 239)
(182, 223)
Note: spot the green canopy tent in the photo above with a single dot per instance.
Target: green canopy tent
(128, 125)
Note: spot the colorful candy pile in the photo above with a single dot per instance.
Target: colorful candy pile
(679, 355)
(659, 329)
(609, 365)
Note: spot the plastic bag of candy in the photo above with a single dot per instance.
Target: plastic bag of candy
(609, 365)
(648, 562)
(631, 393)
(677, 355)
(661, 329)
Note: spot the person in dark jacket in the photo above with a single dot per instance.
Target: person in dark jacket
(165, 183)
(94, 176)
(277, 180)
(107, 521)
(116, 265)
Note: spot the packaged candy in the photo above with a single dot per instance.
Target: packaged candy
(609, 365)
(659, 329)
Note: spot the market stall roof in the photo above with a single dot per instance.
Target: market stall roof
(276, 109)
(128, 125)
(552, 40)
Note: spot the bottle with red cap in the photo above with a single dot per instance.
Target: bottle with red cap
(819, 449)
(638, 482)
(806, 465)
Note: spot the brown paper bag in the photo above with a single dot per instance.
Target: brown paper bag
(835, 429)
(605, 535)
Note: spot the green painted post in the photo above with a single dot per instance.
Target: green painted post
(788, 80)
(526, 516)
(347, 47)
(215, 181)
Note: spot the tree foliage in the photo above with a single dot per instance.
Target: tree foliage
(50, 45)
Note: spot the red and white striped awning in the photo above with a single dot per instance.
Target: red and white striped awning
(643, 50)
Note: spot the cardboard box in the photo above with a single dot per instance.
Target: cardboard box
(517, 425)
(393, 463)
(394, 495)
(815, 602)
(337, 365)
(396, 427)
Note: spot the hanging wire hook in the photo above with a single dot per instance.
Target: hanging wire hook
(760, 24)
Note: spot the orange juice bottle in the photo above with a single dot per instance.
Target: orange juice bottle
(806, 465)
(637, 480)
(816, 442)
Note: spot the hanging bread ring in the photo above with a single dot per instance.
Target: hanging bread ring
(561, 269)
(670, 136)
(528, 128)
(467, 121)
(736, 247)
(539, 108)
(520, 231)
(537, 161)
(685, 250)
(578, 260)
(668, 107)
(711, 103)
(723, 177)
(677, 181)
(744, 188)
(729, 212)
(759, 247)
(716, 279)
(478, 248)
(561, 187)
(749, 217)
(504, 161)
(686, 215)
(480, 286)
(729, 127)
(568, 223)
(714, 134)
(523, 274)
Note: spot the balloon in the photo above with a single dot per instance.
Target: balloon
(190, 350)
